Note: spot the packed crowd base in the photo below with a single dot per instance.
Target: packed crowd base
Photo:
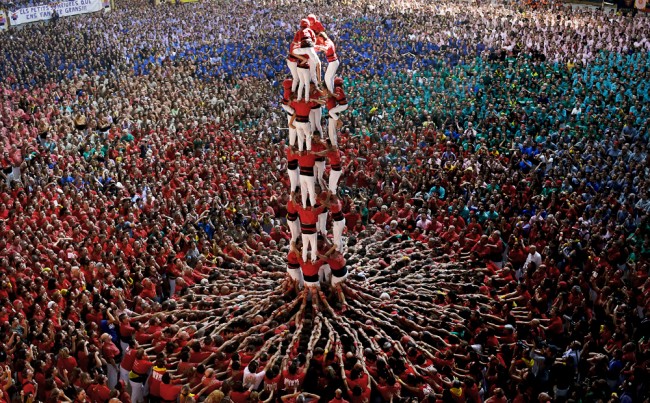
(494, 189)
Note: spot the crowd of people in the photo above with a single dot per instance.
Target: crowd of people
(493, 184)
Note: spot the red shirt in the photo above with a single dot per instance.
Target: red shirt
(99, 393)
(307, 160)
(334, 158)
(272, 384)
(292, 382)
(141, 367)
(365, 396)
(302, 109)
(155, 380)
(315, 25)
(240, 397)
(291, 156)
(169, 392)
(336, 261)
(309, 217)
(67, 364)
(330, 51)
(339, 98)
(310, 268)
(304, 35)
(110, 350)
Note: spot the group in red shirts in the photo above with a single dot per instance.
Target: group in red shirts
(308, 158)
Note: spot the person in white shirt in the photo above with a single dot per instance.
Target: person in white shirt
(533, 257)
(252, 378)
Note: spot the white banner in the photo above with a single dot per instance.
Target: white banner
(64, 9)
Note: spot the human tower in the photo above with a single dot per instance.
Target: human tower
(312, 258)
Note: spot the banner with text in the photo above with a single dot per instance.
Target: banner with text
(63, 9)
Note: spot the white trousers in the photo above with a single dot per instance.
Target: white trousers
(334, 180)
(137, 392)
(294, 178)
(124, 375)
(336, 110)
(337, 233)
(315, 120)
(308, 188)
(322, 224)
(112, 374)
(303, 86)
(303, 131)
(330, 74)
(307, 241)
(314, 61)
(332, 131)
(319, 170)
(293, 68)
(294, 228)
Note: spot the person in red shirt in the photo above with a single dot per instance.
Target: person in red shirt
(338, 397)
(332, 59)
(99, 392)
(321, 197)
(293, 265)
(555, 328)
(65, 362)
(337, 263)
(111, 354)
(336, 103)
(336, 168)
(316, 113)
(126, 365)
(292, 63)
(169, 392)
(308, 220)
(126, 331)
(292, 216)
(272, 379)
(239, 394)
(319, 148)
(315, 24)
(293, 376)
(360, 395)
(301, 121)
(381, 217)
(310, 270)
(306, 37)
(352, 218)
(155, 379)
(29, 386)
(306, 161)
(138, 375)
(388, 388)
(338, 220)
(292, 167)
(481, 249)
(287, 94)
(497, 397)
